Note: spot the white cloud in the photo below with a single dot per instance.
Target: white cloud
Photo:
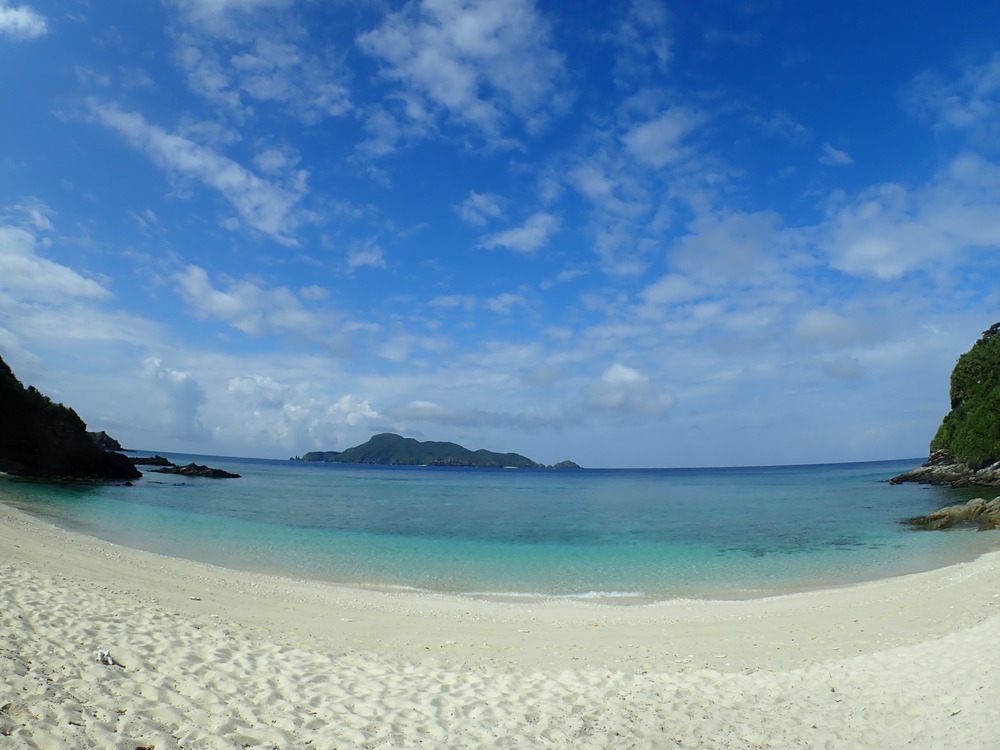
(672, 289)
(263, 205)
(481, 61)
(352, 411)
(826, 328)
(182, 397)
(970, 103)
(660, 141)
(644, 39)
(366, 253)
(889, 230)
(624, 390)
(834, 157)
(730, 248)
(528, 237)
(242, 53)
(21, 22)
(479, 208)
(27, 276)
(260, 392)
(247, 307)
(504, 303)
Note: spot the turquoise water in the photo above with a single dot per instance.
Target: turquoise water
(590, 533)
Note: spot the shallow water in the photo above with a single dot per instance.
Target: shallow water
(617, 534)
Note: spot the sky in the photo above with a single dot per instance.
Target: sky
(628, 233)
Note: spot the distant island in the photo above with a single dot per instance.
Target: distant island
(396, 450)
(965, 451)
(42, 439)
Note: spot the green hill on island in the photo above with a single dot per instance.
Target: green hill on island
(971, 430)
(40, 438)
(391, 449)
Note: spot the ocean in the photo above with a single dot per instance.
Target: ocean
(619, 535)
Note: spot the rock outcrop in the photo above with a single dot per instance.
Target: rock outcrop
(43, 439)
(943, 469)
(105, 441)
(984, 513)
(156, 460)
(197, 470)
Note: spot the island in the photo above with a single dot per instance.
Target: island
(42, 439)
(390, 449)
(965, 450)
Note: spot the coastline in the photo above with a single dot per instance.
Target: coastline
(211, 654)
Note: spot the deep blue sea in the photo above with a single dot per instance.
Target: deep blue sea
(618, 534)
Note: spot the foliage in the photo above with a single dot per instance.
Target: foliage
(388, 448)
(971, 430)
(39, 437)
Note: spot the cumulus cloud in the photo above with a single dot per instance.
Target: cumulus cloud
(660, 141)
(264, 205)
(28, 276)
(460, 416)
(182, 397)
(890, 230)
(644, 40)
(834, 157)
(479, 208)
(240, 53)
(729, 247)
(970, 103)
(824, 327)
(21, 21)
(504, 303)
(623, 390)
(351, 410)
(246, 306)
(259, 392)
(671, 290)
(366, 253)
(480, 61)
(528, 237)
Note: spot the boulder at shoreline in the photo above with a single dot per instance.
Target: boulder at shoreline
(984, 513)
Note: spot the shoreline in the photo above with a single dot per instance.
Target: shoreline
(875, 664)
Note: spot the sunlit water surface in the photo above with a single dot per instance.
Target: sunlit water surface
(623, 535)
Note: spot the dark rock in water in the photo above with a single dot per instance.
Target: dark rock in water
(942, 468)
(40, 438)
(152, 461)
(197, 470)
(985, 514)
(105, 441)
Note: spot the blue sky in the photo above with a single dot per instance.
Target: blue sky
(627, 233)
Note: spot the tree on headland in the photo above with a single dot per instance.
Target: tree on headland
(971, 430)
(40, 438)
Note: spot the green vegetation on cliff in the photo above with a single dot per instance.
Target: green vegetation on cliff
(388, 448)
(40, 438)
(971, 430)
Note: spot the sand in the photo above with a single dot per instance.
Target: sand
(211, 658)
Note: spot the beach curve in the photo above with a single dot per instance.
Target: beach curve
(216, 658)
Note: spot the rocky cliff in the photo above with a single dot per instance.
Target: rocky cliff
(965, 450)
(40, 438)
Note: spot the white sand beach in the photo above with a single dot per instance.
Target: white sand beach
(214, 658)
